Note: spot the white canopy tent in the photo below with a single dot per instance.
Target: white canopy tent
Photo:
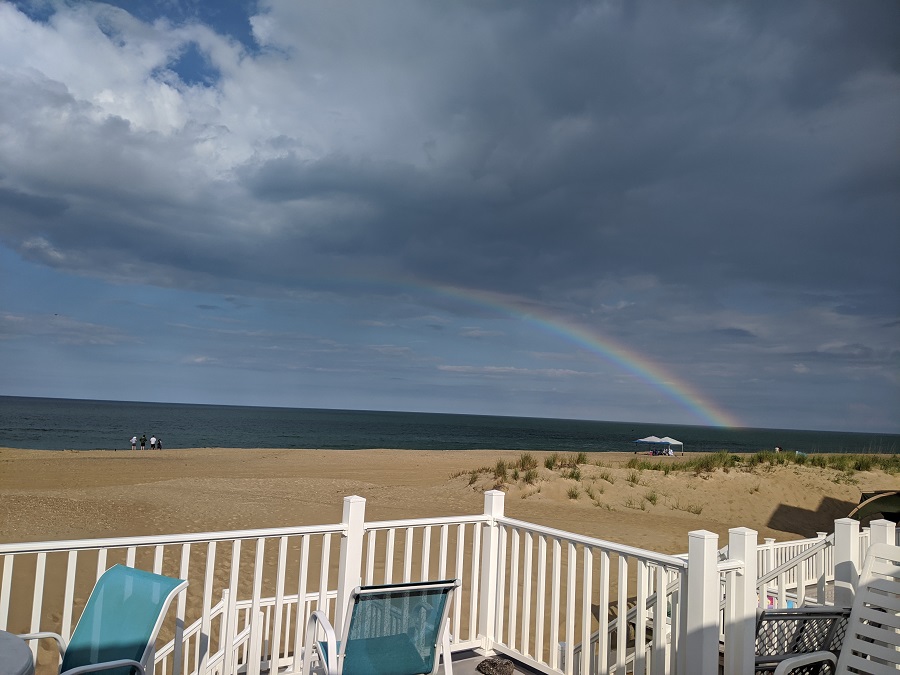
(671, 441)
(667, 441)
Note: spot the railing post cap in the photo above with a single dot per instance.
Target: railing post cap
(743, 530)
(702, 534)
(355, 499)
(847, 521)
(494, 503)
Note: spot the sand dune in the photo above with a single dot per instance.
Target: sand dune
(79, 494)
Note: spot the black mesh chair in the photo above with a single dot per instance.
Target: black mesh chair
(785, 633)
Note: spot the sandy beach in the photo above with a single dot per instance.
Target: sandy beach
(80, 494)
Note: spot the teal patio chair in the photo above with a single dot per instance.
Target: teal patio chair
(393, 629)
(116, 633)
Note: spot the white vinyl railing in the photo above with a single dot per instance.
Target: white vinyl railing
(556, 576)
(53, 579)
(540, 595)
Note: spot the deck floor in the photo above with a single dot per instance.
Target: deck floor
(465, 663)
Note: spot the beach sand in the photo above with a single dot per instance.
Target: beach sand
(85, 494)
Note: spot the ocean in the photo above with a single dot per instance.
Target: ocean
(66, 424)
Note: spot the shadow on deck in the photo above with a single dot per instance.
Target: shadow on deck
(465, 663)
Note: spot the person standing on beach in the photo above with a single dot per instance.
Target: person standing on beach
(143, 441)
(158, 443)
(153, 442)
(134, 442)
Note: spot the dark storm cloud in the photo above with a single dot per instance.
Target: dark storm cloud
(14, 201)
(603, 145)
(585, 141)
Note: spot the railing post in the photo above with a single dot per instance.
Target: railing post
(769, 543)
(740, 634)
(701, 618)
(882, 532)
(351, 556)
(846, 560)
(490, 549)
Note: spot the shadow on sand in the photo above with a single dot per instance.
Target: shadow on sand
(806, 522)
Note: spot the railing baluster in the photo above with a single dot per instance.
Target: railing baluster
(231, 617)
(5, 585)
(554, 604)
(640, 619)
(158, 559)
(407, 555)
(820, 577)
(101, 563)
(130, 556)
(71, 564)
(389, 557)
(254, 655)
(513, 589)
(539, 614)
(183, 573)
(587, 577)
(603, 612)
(442, 552)
(622, 622)
(658, 658)
(526, 594)
(502, 591)
(801, 583)
(323, 572)
(571, 569)
(476, 575)
(370, 557)
(460, 572)
(203, 648)
(279, 604)
(302, 616)
(37, 601)
(426, 553)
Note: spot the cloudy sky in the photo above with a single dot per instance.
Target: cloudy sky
(682, 212)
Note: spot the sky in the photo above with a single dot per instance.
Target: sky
(679, 213)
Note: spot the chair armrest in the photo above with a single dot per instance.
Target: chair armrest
(108, 665)
(781, 632)
(329, 660)
(788, 665)
(60, 643)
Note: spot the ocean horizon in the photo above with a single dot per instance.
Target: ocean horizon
(82, 424)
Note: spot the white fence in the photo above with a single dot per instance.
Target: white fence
(556, 601)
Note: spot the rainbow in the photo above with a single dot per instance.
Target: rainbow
(627, 359)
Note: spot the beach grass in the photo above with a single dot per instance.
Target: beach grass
(726, 460)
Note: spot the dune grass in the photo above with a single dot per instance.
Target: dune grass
(766, 458)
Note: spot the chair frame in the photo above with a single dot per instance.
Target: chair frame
(332, 662)
(874, 618)
(140, 666)
(785, 633)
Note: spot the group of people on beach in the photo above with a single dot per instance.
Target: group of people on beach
(155, 443)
